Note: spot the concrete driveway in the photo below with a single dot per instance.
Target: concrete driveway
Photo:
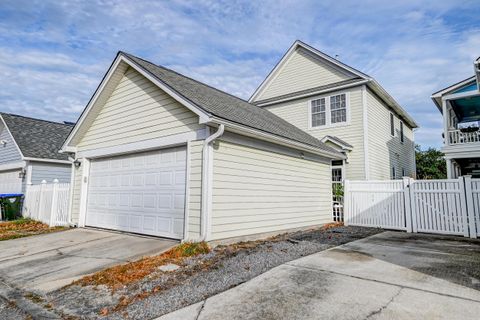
(391, 275)
(47, 262)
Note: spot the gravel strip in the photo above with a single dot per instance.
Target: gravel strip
(9, 310)
(193, 282)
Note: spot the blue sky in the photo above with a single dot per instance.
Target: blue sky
(54, 53)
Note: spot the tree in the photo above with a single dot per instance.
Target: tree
(430, 163)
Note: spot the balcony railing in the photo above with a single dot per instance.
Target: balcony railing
(459, 137)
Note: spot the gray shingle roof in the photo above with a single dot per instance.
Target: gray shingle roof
(310, 91)
(340, 141)
(227, 106)
(37, 138)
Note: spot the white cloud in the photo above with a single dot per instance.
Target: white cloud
(53, 54)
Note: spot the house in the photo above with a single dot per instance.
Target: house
(29, 152)
(161, 154)
(460, 107)
(346, 109)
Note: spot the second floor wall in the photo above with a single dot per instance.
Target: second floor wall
(376, 154)
(299, 113)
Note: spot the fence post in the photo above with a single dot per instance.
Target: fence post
(413, 207)
(53, 210)
(41, 200)
(407, 203)
(346, 202)
(470, 209)
(463, 202)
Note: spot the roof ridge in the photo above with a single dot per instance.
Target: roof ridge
(36, 119)
(190, 78)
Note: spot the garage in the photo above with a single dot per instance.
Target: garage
(11, 181)
(141, 193)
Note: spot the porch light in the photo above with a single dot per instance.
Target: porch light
(77, 163)
(21, 174)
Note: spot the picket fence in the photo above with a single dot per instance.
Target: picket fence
(449, 206)
(47, 203)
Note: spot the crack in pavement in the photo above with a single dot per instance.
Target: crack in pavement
(380, 310)
(201, 309)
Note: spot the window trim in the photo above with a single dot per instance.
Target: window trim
(328, 114)
(392, 124)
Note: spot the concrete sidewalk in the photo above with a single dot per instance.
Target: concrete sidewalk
(47, 262)
(391, 275)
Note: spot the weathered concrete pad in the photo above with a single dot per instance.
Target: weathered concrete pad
(48, 262)
(387, 276)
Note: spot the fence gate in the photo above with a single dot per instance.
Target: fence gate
(439, 206)
(450, 206)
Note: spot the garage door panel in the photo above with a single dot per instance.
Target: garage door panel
(143, 193)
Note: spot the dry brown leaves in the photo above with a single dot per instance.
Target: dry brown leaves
(124, 274)
(23, 228)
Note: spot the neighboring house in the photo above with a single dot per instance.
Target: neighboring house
(29, 152)
(460, 107)
(161, 154)
(344, 108)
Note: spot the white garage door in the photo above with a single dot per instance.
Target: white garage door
(142, 193)
(10, 182)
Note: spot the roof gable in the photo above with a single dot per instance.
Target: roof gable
(35, 138)
(303, 67)
(302, 71)
(9, 151)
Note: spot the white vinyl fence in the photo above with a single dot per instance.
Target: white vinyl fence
(47, 203)
(431, 206)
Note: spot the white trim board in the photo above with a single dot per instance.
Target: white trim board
(13, 165)
(145, 145)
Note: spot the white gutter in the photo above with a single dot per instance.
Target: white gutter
(46, 160)
(207, 173)
(313, 93)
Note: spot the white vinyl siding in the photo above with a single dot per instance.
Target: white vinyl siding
(136, 111)
(258, 191)
(300, 72)
(297, 112)
(50, 172)
(386, 151)
(8, 151)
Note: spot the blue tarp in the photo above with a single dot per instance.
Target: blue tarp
(10, 195)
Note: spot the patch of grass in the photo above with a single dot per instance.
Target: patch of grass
(23, 228)
(118, 276)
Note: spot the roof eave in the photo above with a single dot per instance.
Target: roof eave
(378, 89)
(262, 135)
(314, 93)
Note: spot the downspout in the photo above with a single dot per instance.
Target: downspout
(206, 183)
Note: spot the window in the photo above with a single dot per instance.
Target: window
(329, 110)
(392, 125)
(403, 172)
(338, 108)
(401, 131)
(394, 174)
(318, 112)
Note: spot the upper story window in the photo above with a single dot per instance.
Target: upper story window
(329, 110)
(392, 125)
(401, 131)
(318, 112)
(338, 108)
